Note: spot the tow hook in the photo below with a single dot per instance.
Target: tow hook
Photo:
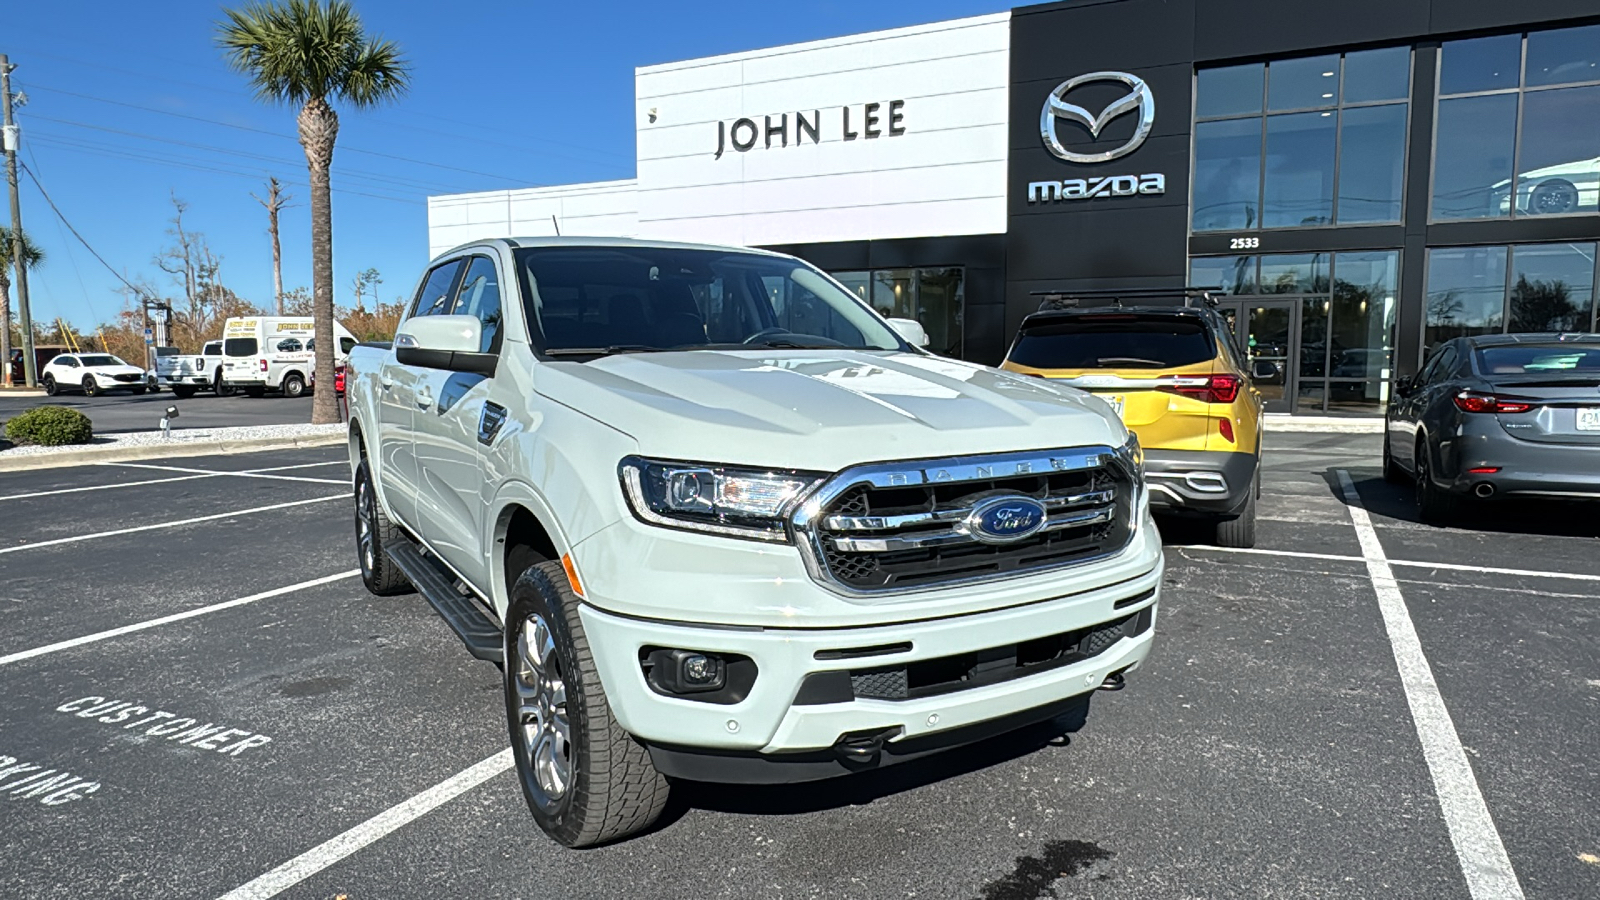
(864, 746)
(1114, 682)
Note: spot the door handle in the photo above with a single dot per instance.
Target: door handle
(425, 397)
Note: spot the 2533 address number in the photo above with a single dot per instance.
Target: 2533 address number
(1249, 243)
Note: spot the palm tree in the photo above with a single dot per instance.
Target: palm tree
(308, 52)
(32, 258)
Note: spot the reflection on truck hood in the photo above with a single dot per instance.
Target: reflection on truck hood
(822, 410)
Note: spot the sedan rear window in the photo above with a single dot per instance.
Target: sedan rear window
(1114, 341)
(1539, 359)
(239, 347)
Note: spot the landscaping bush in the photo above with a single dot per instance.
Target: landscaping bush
(50, 426)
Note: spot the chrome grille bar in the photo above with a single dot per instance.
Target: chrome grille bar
(957, 536)
(895, 523)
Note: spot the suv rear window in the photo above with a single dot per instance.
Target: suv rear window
(1539, 359)
(1114, 341)
(239, 347)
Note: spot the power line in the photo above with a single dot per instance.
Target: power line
(55, 209)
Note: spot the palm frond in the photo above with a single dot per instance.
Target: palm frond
(32, 256)
(299, 50)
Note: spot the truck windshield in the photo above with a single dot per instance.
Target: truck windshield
(599, 300)
(239, 347)
(1113, 341)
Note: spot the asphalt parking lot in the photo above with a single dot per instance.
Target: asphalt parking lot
(123, 412)
(1363, 707)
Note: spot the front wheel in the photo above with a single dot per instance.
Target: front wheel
(50, 387)
(90, 386)
(182, 391)
(293, 385)
(373, 530)
(585, 779)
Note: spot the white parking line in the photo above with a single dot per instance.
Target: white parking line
(249, 473)
(1408, 563)
(190, 521)
(329, 852)
(208, 474)
(164, 620)
(1478, 846)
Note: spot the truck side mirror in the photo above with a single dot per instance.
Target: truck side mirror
(443, 342)
(911, 330)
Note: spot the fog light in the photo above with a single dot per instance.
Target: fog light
(686, 671)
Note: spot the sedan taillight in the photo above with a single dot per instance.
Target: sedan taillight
(1478, 402)
(1205, 388)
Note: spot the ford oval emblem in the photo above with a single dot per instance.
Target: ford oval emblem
(1001, 520)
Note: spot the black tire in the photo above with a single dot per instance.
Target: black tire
(183, 391)
(294, 385)
(1392, 472)
(373, 530)
(1435, 505)
(90, 387)
(138, 391)
(221, 387)
(1240, 531)
(611, 789)
(255, 391)
(50, 386)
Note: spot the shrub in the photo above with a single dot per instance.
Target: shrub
(50, 426)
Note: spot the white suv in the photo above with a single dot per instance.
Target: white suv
(91, 373)
(720, 521)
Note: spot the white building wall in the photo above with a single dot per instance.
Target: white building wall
(945, 175)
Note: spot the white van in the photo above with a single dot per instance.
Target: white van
(273, 353)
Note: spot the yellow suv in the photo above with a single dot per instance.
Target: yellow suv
(1177, 378)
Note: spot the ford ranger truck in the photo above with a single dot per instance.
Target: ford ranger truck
(718, 521)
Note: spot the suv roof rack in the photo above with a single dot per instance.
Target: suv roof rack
(1072, 299)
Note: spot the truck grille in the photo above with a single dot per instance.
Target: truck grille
(910, 525)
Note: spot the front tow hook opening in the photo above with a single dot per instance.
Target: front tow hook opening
(1114, 682)
(863, 747)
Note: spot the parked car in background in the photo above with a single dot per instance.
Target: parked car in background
(1495, 416)
(1175, 377)
(91, 373)
(1566, 188)
(274, 353)
(188, 374)
(42, 354)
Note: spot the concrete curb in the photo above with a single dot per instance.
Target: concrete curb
(91, 455)
(29, 393)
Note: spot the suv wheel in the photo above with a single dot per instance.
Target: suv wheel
(293, 385)
(90, 386)
(1435, 505)
(585, 779)
(1240, 531)
(373, 530)
(50, 387)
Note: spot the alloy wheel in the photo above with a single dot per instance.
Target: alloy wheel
(542, 707)
(364, 536)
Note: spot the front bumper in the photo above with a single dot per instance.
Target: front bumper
(1199, 481)
(774, 724)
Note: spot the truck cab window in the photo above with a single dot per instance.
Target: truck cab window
(479, 297)
(434, 298)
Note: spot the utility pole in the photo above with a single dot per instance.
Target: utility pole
(275, 201)
(11, 140)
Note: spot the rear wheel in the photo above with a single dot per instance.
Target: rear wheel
(294, 384)
(373, 530)
(1435, 505)
(1240, 531)
(90, 386)
(182, 391)
(585, 779)
(221, 386)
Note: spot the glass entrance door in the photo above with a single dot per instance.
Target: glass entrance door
(1268, 331)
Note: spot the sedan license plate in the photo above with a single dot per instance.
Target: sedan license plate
(1589, 419)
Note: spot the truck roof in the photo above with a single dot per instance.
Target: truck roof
(516, 243)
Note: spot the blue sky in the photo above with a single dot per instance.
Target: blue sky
(127, 107)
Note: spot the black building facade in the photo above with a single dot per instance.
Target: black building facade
(1367, 178)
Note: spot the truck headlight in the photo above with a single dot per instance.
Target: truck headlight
(726, 500)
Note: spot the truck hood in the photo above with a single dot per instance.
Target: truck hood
(823, 410)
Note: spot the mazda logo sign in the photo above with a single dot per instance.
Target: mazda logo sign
(1138, 98)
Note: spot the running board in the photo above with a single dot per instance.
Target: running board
(438, 587)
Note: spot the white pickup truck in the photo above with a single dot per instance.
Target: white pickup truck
(719, 521)
(185, 374)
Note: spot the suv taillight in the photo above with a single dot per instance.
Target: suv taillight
(1476, 402)
(1205, 388)
(263, 364)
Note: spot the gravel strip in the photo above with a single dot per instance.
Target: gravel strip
(180, 436)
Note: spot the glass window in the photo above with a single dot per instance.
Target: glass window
(1303, 83)
(239, 347)
(1466, 293)
(1552, 287)
(1372, 151)
(940, 303)
(1233, 91)
(1564, 56)
(1314, 337)
(891, 293)
(1310, 396)
(1294, 273)
(1533, 359)
(1472, 156)
(1235, 274)
(1227, 175)
(858, 283)
(1114, 340)
(1299, 185)
(1480, 64)
(346, 345)
(1377, 75)
(479, 297)
(1357, 397)
(1365, 298)
(434, 298)
(1560, 160)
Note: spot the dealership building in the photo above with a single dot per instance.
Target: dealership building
(1364, 179)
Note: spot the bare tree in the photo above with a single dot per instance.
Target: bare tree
(276, 200)
(368, 279)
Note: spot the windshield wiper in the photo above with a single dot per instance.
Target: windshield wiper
(604, 351)
(1131, 360)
